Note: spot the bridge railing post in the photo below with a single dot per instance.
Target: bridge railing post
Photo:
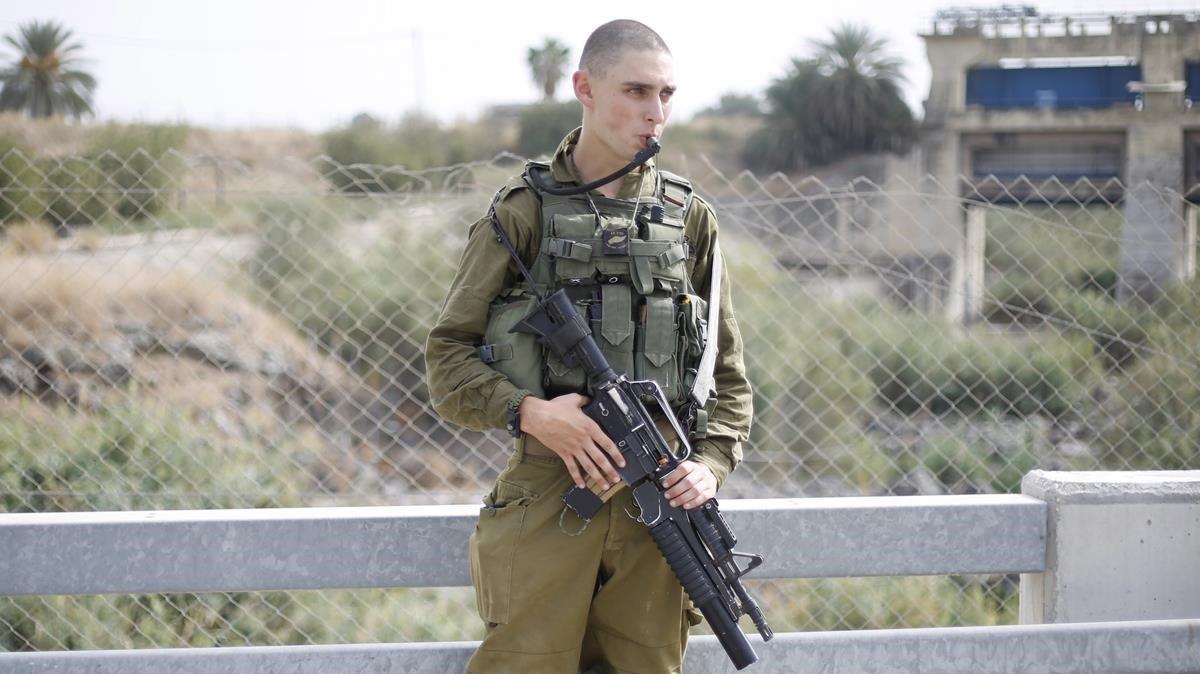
(1120, 546)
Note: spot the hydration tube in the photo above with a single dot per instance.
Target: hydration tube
(651, 149)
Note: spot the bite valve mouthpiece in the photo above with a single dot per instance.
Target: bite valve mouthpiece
(651, 149)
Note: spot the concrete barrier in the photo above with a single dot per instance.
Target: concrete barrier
(1121, 546)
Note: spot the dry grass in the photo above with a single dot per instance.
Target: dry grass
(24, 238)
(76, 299)
(274, 159)
(38, 297)
(89, 239)
(53, 137)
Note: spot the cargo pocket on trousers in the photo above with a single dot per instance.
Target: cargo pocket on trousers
(492, 547)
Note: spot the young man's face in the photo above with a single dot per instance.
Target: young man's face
(631, 102)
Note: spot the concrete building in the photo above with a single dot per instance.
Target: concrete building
(1080, 106)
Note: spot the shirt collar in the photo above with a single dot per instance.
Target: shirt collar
(562, 169)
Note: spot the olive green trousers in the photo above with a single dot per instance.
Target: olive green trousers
(602, 601)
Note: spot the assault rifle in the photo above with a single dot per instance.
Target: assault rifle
(696, 543)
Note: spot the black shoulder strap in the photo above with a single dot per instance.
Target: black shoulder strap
(502, 237)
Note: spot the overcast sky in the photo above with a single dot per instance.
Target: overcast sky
(316, 64)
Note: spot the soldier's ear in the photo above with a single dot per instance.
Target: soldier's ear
(582, 83)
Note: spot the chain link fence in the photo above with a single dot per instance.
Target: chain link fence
(192, 332)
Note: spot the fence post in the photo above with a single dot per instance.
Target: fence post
(964, 298)
(1187, 266)
(1121, 545)
(842, 224)
(973, 261)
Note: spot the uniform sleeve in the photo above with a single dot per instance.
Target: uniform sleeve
(462, 388)
(729, 423)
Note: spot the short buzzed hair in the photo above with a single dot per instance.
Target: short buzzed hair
(604, 46)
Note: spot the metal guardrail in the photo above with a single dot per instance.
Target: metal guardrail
(308, 548)
(426, 546)
(1149, 646)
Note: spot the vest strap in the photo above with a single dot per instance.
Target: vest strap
(490, 353)
(701, 429)
(574, 250)
(666, 253)
(641, 248)
(642, 279)
(676, 253)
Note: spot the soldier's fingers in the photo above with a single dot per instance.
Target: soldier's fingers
(573, 469)
(684, 497)
(597, 456)
(695, 479)
(600, 438)
(607, 444)
(674, 486)
(584, 456)
(678, 490)
(670, 479)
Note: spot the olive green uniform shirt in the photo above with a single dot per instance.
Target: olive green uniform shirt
(466, 391)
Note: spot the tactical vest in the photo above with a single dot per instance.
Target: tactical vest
(628, 276)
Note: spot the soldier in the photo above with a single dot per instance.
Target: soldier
(556, 597)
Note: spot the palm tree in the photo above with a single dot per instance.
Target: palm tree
(861, 83)
(548, 65)
(45, 80)
(845, 98)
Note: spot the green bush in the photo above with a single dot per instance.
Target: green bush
(369, 311)
(1117, 333)
(1054, 243)
(293, 234)
(20, 182)
(76, 191)
(137, 455)
(140, 454)
(1101, 281)
(364, 154)
(963, 467)
(140, 164)
(887, 602)
(1178, 307)
(372, 157)
(1023, 300)
(922, 368)
(1154, 422)
(802, 356)
(541, 127)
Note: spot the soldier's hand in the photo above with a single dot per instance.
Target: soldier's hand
(561, 425)
(690, 485)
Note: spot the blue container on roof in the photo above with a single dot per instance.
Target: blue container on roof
(1066, 87)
